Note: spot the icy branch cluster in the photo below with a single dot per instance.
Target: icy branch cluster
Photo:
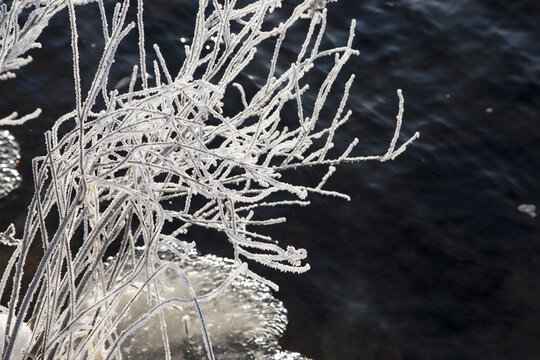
(17, 40)
(116, 163)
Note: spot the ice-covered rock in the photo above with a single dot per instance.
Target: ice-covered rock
(21, 341)
(244, 322)
(9, 158)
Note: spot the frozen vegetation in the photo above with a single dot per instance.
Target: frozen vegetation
(116, 163)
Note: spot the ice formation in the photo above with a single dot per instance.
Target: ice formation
(529, 209)
(244, 322)
(9, 158)
(21, 341)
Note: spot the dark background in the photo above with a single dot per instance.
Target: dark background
(431, 258)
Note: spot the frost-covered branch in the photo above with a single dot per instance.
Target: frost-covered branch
(16, 39)
(120, 160)
(21, 23)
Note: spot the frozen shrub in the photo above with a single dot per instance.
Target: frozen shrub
(16, 39)
(115, 162)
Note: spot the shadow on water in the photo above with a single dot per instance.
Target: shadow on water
(432, 258)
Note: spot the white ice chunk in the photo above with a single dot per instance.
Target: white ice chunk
(528, 209)
(21, 341)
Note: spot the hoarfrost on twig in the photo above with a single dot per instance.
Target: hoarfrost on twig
(112, 175)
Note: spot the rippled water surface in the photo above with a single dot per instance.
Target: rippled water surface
(432, 258)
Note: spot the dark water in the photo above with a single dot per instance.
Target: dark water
(432, 258)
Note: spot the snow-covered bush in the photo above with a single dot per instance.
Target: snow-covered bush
(117, 161)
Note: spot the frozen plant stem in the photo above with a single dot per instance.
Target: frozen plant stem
(18, 35)
(110, 177)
